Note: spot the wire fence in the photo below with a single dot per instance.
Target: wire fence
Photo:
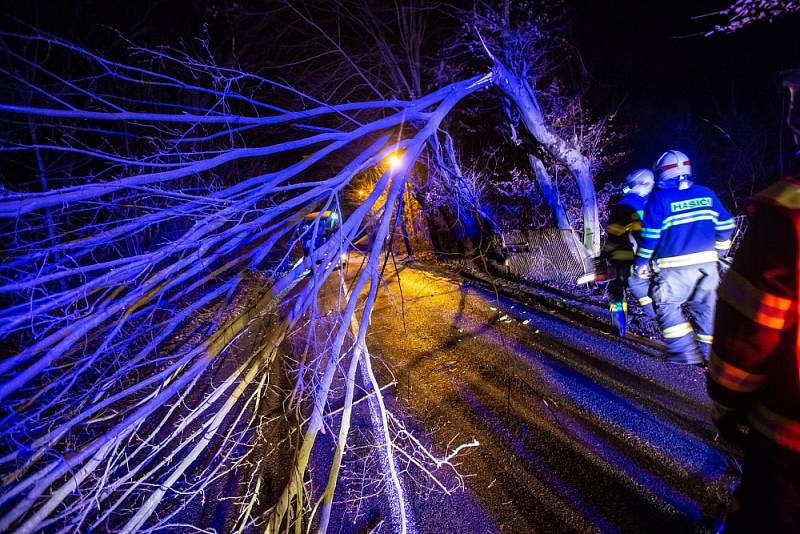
(553, 255)
(545, 255)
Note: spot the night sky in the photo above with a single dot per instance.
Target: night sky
(647, 60)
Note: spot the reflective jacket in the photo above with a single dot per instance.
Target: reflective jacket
(684, 227)
(754, 368)
(624, 227)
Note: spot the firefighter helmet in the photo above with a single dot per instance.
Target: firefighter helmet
(672, 164)
(642, 179)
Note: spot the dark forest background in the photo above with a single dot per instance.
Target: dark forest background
(718, 97)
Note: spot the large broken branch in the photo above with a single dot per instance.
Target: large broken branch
(128, 288)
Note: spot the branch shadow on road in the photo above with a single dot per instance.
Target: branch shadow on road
(588, 465)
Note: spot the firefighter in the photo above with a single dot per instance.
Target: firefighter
(685, 228)
(754, 372)
(624, 228)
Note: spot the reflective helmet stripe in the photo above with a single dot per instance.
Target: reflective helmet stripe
(673, 165)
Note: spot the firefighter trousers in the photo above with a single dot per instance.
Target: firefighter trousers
(617, 304)
(768, 498)
(688, 339)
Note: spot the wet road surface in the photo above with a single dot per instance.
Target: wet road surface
(579, 431)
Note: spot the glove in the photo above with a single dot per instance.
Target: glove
(643, 271)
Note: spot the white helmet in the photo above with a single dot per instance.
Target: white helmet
(639, 178)
(672, 164)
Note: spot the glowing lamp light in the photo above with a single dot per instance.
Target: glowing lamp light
(395, 161)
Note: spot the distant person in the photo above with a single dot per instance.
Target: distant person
(754, 373)
(685, 227)
(624, 230)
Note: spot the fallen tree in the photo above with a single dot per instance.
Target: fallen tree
(122, 283)
(106, 318)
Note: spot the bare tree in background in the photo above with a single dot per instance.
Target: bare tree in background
(743, 13)
(526, 54)
(407, 48)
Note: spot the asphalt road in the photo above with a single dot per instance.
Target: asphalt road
(579, 431)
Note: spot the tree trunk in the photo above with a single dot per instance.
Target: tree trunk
(430, 223)
(550, 193)
(401, 215)
(521, 93)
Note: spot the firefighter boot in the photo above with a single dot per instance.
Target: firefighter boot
(619, 319)
(681, 347)
(617, 305)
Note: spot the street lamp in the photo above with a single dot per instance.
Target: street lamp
(395, 161)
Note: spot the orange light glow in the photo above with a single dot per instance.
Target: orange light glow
(395, 161)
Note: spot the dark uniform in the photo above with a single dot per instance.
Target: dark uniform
(754, 372)
(624, 229)
(684, 228)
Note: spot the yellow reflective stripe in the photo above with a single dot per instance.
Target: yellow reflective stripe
(644, 252)
(679, 330)
(705, 338)
(622, 255)
(616, 306)
(616, 229)
(688, 259)
(733, 378)
(644, 301)
(780, 429)
(763, 308)
(785, 193)
(723, 245)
